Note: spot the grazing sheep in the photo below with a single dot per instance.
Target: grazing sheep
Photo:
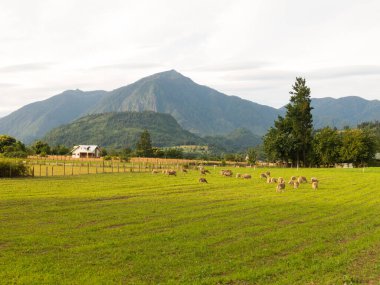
(280, 187)
(274, 180)
(263, 175)
(293, 178)
(154, 171)
(246, 176)
(281, 180)
(291, 182)
(238, 175)
(313, 179)
(269, 180)
(171, 172)
(314, 185)
(184, 170)
(302, 179)
(226, 173)
(202, 180)
(267, 173)
(296, 184)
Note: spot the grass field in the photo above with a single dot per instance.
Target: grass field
(139, 228)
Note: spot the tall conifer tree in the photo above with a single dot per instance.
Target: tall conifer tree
(301, 120)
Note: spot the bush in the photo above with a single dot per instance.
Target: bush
(10, 168)
(16, 154)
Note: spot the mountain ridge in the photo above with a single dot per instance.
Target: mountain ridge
(197, 108)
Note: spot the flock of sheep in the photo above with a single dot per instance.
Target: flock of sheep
(280, 187)
(295, 181)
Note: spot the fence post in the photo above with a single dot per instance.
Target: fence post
(64, 168)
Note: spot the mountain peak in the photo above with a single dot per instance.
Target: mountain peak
(169, 74)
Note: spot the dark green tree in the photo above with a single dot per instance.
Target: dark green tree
(60, 150)
(6, 141)
(326, 144)
(41, 148)
(358, 146)
(144, 145)
(279, 142)
(251, 155)
(300, 118)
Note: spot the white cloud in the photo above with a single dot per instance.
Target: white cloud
(250, 48)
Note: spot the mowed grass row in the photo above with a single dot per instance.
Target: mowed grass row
(139, 228)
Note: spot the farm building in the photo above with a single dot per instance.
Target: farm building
(85, 151)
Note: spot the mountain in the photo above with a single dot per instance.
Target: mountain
(122, 129)
(198, 109)
(346, 111)
(34, 120)
(237, 141)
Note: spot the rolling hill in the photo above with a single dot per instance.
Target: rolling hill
(122, 129)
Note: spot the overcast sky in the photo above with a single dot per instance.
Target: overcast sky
(249, 48)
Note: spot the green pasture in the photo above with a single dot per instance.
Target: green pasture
(143, 228)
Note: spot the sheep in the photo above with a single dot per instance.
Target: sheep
(171, 172)
(154, 171)
(184, 170)
(280, 187)
(274, 180)
(263, 175)
(314, 185)
(267, 173)
(226, 172)
(296, 184)
(281, 180)
(202, 180)
(292, 180)
(302, 179)
(313, 179)
(246, 176)
(269, 180)
(238, 175)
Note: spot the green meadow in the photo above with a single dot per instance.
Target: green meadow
(142, 228)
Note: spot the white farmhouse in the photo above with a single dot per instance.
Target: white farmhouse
(85, 151)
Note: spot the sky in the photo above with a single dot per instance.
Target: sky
(248, 48)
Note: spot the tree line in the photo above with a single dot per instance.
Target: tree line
(292, 140)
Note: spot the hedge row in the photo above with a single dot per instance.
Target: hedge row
(10, 168)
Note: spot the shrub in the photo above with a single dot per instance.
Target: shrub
(16, 154)
(10, 168)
